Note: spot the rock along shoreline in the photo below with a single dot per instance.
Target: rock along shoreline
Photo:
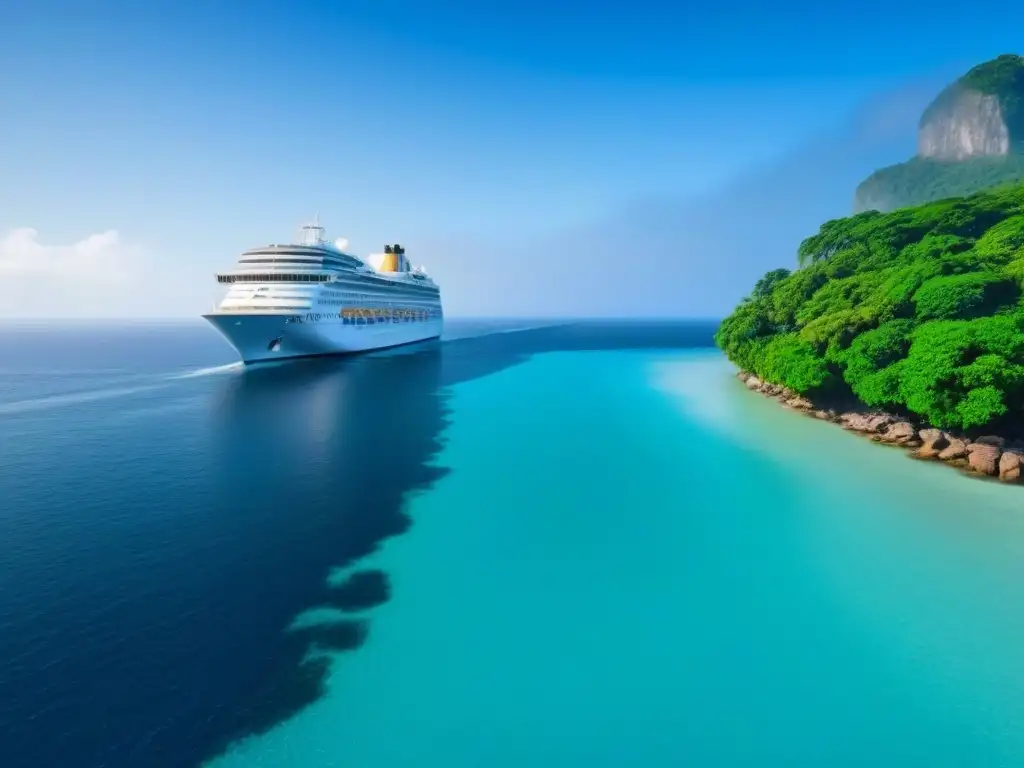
(988, 456)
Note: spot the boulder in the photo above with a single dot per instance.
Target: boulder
(858, 422)
(753, 382)
(1010, 465)
(992, 440)
(932, 441)
(866, 422)
(879, 421)
(800, 403)
(900, 433)
(933, 437)
(955, 449)
(983, 458)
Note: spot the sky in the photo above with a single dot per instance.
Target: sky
(540, 159)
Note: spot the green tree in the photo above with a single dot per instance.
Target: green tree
(764, 286)
(918, 310)
(964, 296)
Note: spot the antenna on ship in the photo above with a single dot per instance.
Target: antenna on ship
(312, 234)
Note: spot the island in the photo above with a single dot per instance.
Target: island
(907, 326)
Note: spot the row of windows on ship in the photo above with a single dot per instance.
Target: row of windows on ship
(275, 278)
(301, 278)
(336, 298)
(373, 315)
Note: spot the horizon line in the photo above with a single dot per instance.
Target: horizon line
(199, 319)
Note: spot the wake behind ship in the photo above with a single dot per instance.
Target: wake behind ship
(313, 298)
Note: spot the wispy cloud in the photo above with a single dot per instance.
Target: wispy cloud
(691, 256)
(100, 258)
(100, 275)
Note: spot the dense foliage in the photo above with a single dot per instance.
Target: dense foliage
(917, 311)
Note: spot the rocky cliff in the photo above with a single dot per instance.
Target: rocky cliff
(969, 139)
(965, 124)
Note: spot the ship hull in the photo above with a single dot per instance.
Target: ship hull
(265, 337)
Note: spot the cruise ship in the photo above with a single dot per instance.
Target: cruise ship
(313, 298)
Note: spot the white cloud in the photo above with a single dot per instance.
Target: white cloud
(100, 258)
(101, 275)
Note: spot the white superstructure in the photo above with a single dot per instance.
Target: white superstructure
(313, 298)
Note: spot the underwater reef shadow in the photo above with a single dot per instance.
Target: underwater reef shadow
(331, 450)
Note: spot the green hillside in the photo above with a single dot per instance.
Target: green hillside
(917, 311)
(922, 180)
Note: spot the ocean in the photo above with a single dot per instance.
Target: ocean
(528, 543)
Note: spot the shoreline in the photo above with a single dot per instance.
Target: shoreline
(987, 456)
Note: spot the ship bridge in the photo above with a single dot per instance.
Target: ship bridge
(312, 260)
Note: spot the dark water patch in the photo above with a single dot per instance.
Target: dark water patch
(152, 569)
(294, 683)
(362, 590)
(296, 679)
(344, 635)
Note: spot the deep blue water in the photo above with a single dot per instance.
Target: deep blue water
(165, 514)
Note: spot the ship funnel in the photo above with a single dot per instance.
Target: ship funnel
(341, 243)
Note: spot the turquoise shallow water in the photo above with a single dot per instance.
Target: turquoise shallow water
(635, 561)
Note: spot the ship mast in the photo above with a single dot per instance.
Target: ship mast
(312, 234)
